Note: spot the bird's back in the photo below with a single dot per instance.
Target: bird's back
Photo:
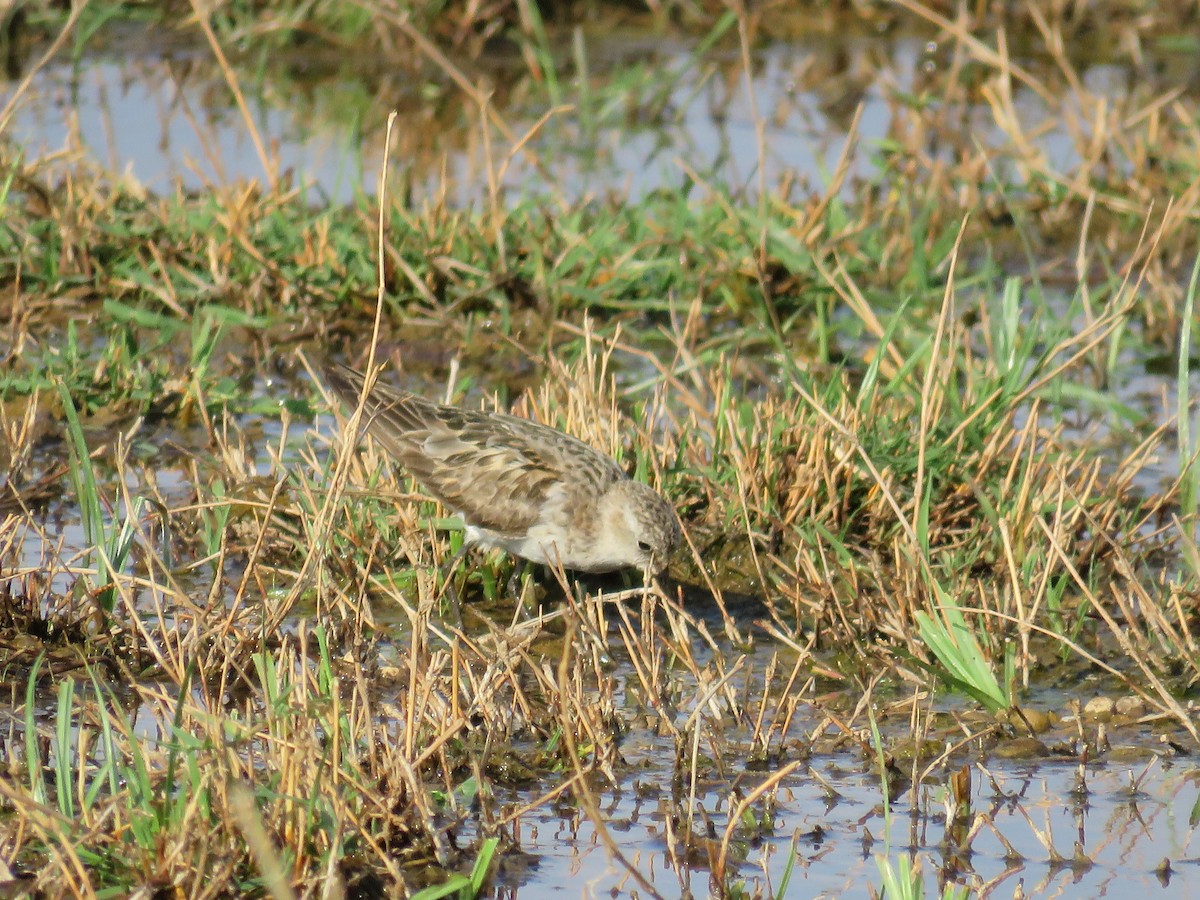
(496, 471)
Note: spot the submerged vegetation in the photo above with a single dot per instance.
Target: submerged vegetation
(894, 413)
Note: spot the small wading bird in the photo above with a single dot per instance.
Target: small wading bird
(523, 487)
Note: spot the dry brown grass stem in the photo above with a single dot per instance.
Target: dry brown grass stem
(998, 59)
(478, 97)
(53, 830)
(880, 482)
(720, 865)
(745, 36)
(792, 697)
(845, 725)
(951, 750)
(18, 94)
(1136, 605)
(252, 562)
(1163, 701)
(813, 225)
(933, 388)
(262, 848)
(322, 527)
(270, 167)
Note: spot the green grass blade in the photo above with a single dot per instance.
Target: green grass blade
(452, 885)
(1188, 462)
(83, 478)
(63, 768)
(33, 757)
(483, 864)
(962, 662)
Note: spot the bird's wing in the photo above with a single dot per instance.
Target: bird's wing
(495, 471)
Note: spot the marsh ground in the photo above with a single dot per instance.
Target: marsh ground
(893, 302)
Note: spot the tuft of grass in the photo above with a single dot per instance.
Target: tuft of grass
(903, 880)
(961, 663)
(110, 543)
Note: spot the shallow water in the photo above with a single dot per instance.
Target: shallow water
(836, 848)
(1125, 833)
(649, 116)
(1052, 824)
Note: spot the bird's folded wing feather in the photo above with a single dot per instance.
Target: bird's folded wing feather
(487, 468)
(495, 486)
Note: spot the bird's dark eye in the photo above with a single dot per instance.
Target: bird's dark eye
(644, 546)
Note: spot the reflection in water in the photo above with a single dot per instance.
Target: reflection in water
(1029, 832)
(649, 115)
(633, 113)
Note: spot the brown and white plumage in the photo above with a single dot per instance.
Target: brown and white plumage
(526, 488)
